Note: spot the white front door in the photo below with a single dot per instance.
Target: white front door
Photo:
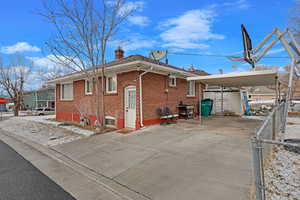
(130, 107)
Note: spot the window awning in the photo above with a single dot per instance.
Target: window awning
(241, 79)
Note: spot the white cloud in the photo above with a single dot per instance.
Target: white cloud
(239, 4)
(135, 42)
(189, 30)
(139, 20)
(131, 6)
(50, 63)
(275, 51)
(43, 62)
(19, 47)
(242, 4)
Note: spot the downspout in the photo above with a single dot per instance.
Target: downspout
(141, 95)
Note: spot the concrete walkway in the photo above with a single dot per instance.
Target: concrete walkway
(183, 161)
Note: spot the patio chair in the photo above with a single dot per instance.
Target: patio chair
(162, 116)
(170, 114)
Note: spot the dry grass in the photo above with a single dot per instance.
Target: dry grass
(90, 128)
(125, 131)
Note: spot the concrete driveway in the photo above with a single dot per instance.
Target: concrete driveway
(182, 161)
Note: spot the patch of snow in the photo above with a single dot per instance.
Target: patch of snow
(45, 120)
(254, 117)
(47, 134)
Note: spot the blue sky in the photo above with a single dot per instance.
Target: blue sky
(190, 26)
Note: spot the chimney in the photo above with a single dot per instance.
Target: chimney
(119, 53)
(191, 68)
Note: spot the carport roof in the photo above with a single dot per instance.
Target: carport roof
(241, 79)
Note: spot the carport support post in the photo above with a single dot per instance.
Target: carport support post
(288, 98)
(279, 91)
(200, 101)
(276, 90)
(257, 168)
(222, 100)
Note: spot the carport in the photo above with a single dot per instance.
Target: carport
(241, 79)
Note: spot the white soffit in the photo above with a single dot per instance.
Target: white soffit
(241, 79)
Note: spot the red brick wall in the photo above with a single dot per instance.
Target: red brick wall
(70, 110)
(158, 94)
(154, 96)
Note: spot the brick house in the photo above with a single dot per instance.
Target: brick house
(135, 86)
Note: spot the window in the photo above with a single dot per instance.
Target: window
(67, 91)
(110, 121)
(131, 99)
(111, 84)
(172, 81)
(191, 88)
(88, 86)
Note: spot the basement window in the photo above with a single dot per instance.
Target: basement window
(110, 121)
(172, 81)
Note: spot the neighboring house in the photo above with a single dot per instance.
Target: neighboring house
(135, 87)
(44, 97)
(3, 103)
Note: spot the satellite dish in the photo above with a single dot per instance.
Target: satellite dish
(158, 54)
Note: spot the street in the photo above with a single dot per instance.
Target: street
(20, 180)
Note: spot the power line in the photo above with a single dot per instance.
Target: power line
(217, 55)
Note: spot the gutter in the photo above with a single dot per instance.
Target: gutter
(141, 95)
(78, 75)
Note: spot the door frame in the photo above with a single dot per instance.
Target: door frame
(130, 87)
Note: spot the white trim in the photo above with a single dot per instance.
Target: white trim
(114, 77)
(242, 79)
(194, 89)
(129, 65)
(65, 83)
(232, 75)
(85, 87)
(170, 81)
(110, 117)
(130, 87)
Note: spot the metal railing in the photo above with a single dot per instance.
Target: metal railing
(267, 139)
(271, 129)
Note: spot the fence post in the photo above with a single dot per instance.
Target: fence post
(284, 114)
(274, 125)
(256, 150)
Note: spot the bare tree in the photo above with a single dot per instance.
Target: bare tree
(84, 29)
(13, 77)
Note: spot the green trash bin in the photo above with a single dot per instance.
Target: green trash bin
(206, 107)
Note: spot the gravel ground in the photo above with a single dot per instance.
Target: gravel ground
(283, 175)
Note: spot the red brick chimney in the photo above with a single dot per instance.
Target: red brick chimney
(119, 53)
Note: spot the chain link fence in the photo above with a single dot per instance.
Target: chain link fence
(269, 150)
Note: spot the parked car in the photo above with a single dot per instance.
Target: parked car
(43, 111)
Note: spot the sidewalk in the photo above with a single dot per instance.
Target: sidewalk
(80, 182)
